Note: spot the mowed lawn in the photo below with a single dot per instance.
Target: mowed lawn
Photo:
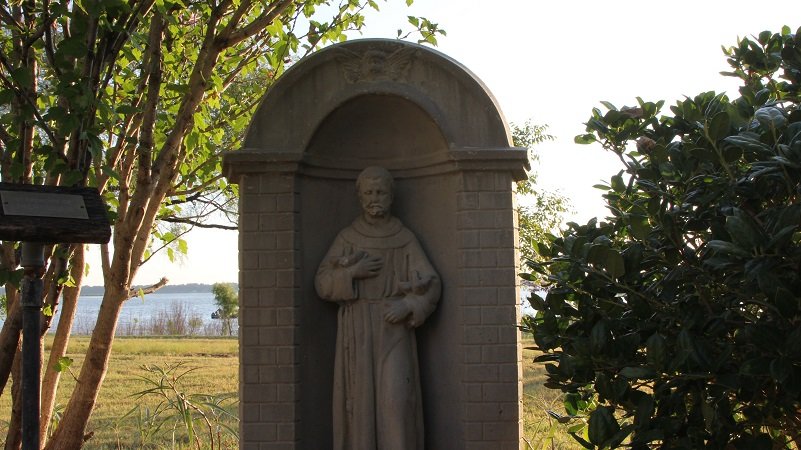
(122, 420)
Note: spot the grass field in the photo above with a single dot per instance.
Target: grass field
(121, 419)
(540, 430)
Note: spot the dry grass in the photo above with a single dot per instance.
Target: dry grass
(216, 372)
(540, 430)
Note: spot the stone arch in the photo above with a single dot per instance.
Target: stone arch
(455, 99)
(392, 131)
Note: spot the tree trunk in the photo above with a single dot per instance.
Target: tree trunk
(14, 435)
(9, 341)
(9, 336)
(61, 342)
(71, 430)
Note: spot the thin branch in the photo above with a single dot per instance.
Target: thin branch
(121, 38)
(196, 189)
(192, 198)
(105, 261)
(47, 22)
(235, 18)
(9, 19)
(198, 224)
(148, 289)
(10, 85)
(153, 70)
(163, 246)
(234, 37)
(5, 136)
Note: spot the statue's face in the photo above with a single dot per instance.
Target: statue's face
(375, 195)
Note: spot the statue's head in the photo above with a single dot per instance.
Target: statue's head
(375, 188)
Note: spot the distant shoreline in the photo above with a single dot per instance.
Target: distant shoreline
(190, 288)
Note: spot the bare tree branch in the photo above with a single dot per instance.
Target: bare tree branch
(199, 188)
(7, 18)
(148, 289)
(233, 37)
(198, 224)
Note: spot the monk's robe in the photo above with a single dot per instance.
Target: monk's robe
(377, 402)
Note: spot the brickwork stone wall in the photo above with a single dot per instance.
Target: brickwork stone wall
(487, 232)
(268, 325)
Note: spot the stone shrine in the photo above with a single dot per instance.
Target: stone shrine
(440, 134)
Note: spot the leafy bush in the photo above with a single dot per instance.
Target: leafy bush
(678, 317)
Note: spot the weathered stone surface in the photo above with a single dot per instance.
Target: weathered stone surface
(439, 131)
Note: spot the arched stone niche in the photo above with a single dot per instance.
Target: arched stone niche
(435, 126)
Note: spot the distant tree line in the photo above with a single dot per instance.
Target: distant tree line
(189, 288)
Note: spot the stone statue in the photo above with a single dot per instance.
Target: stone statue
(385, 287)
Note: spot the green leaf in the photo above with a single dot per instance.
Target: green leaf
(780, 369)
(48, 310)
(583, 442)
(719, 126)
(6, 95)
(602, 425)
(770, 117)
(743, 231)
(609, 106)
(726, 247)
(599, 337)
(637, 372)
(74, 47)
(127, 109)
(22, 76)
(614, 263)
(537, 302)
(640, 228)
(183, 248)
(617, 183)
(585, 139)
(748, 144)
(655, 350)
(63, 364)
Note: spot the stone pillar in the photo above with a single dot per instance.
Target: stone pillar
(268, 323)
(492, 383)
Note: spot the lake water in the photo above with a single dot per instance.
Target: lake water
(157, 313)
(167, 314)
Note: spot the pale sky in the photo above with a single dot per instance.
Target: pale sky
(551, 62)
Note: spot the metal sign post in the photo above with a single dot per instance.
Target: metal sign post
(38, 215)
(33, 263)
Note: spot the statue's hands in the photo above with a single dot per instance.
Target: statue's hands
(348, 260)
(397, 311)
(417, 285)
(367, 266)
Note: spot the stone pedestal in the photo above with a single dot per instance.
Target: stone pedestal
(438, 130)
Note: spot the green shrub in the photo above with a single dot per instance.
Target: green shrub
(679, 315)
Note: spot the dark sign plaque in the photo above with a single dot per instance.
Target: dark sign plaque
(52, 214)
(41, 204)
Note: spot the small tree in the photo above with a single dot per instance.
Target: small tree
(539, 211)
(227, 299)
(137, 98)
(676, 321)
